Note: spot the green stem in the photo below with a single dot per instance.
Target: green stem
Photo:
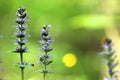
(44, 76)
(45, 68)
(21, 58)
(22, 73)
(22, 68)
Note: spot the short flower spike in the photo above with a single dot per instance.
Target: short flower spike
(45, 59)
(109, 56)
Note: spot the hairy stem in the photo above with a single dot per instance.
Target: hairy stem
(22, 73)
(45, 68)
(22, 68)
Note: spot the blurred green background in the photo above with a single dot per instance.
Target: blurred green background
(77, 28)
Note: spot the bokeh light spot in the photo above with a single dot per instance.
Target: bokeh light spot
(69, 60)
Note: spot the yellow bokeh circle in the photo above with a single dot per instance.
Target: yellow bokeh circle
(69, 60)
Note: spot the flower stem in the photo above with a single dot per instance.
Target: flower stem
(22, 68)
(44, 76)
(22, 73)
(45, 67)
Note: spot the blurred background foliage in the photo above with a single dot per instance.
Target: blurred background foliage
(78, 27)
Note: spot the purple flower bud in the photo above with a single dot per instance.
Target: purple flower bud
(21, 10)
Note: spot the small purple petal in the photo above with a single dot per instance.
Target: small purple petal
(102, 53)
(106, 79)
(104, 61)
(106, 47)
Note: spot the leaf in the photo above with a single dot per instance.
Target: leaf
(91, 21)
(49, 62)
(23, 65)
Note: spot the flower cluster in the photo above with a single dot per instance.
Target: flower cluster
(45, 59)
(109, 56)
(21, 27)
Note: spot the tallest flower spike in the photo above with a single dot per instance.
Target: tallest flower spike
(21, 35)
(109, 56)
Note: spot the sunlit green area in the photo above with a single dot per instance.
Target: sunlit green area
(77, 29)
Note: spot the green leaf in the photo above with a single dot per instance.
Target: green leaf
(91, 21)
(24, 66)
(49, 62)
